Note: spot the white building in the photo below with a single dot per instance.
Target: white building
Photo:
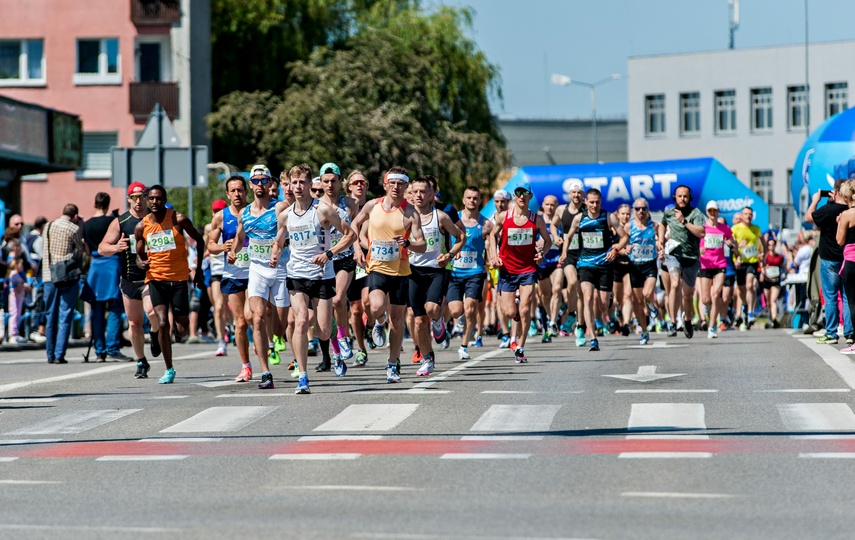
(748, 108)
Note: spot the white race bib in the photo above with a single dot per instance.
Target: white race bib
(773, 272)
(671, 245)
(749, 252)
(359, 273)
(259, 250)
(242, 259)
(713, 241)
(385, 250)
(574, 243)
(467, 260)
(161, 241)
(592, 240)
(642, 252)
(303, 236)
(335, 237)
(520, 237)
(433, 240)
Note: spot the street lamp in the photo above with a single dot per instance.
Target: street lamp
(564, 80)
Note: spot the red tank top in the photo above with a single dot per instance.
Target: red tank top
(517, 247)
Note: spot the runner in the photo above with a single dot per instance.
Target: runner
(685, 226)
(469, 270)
(773, 266)
(516, 258)
(235, 278)
(594, 226)
(621, 279)
(120, 239)
(162, 252)
(215, 293)
(394, 229)
(357, 293)
(429, 278)
(501, 199)
(564, 217)
(752, 249)
(307, 224)
(642, 233)
(550, 282)
(257, 222)
(717, 237)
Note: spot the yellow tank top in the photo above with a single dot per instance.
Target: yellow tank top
(384, 254)
(167, 251)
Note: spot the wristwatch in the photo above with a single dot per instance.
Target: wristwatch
(407, 242)
(329, 254)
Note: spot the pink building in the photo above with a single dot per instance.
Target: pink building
(108, 61)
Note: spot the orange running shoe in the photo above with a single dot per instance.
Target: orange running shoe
(245, 374)
(417, 356)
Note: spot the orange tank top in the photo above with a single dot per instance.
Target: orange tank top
(384, 254)
(167, 251)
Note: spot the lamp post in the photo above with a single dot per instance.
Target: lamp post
(564, 80)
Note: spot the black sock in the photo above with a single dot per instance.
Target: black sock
(325, 349)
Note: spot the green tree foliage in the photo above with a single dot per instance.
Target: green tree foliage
(406, 88)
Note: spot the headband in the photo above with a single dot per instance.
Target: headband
(398, 176)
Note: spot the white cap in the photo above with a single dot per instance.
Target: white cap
(260, 170)
(316, 180)
(712, 204)
(501, 194)
(575, 185)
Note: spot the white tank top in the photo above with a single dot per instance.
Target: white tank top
(433, 240)
(336, 236)
(307, 239)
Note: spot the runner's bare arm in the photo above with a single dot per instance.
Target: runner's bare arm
(621, 232)
(187, 226)
(453, 229)
(493, 244)
(214, 247)
(553, 227)
(574, 228)
(114, 241)
(330, 216)
(237, 245)
(544, 234)
(281, 237)
(142, 258)
(416, 241)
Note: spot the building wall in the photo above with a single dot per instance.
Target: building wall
(742, 70)
(543, 142)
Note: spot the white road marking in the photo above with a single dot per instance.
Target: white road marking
(484, 456)
(135, 397)
(351, 488)
(656, 345)
(257, 394)
(828, 455)
(341, 438)
(85, 528)
(7, 459)
(369, 418)
(220, 419)
(446, 374)
(315, 457)
(13, 442)
(29, 482)
(663, 455)
(817, 416)
(665, 391)
(519, 418)
(530, 392)
(216, 384)
(646, 374)
(181, 439)
(58, 378)
(408, 391)
(837, 361)
(805, 390)
(502, 438)
(405, 536)
(74, 422)
(175, 457)
(28, 400)
(662, 417)
(676, 495)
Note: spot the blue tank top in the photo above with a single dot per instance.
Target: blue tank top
(471, 260)
(643, 242)
(240, 269)
(596, 240)
(550, 258)
(261, 231)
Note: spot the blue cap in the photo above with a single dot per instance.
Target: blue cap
(523, 186)
(330, 168)
(169, 205)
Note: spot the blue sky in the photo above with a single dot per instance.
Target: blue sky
(591, 39)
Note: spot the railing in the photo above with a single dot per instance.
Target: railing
(144, 95)
(155, 11)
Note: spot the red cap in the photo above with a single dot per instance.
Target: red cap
(218, 205)
(136, 186)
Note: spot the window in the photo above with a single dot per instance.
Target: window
(761, 109)
(725, 111)
(789, 183)
(654, 107)
(690, 113)
(797, 107)
(836, 98)
(97, 162)
(98, 61)
(22, 62)
(761, 184)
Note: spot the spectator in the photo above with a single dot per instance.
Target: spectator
(17, 222)
(17, 288)
(63, 249)
(35, 247)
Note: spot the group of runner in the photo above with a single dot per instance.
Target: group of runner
(311, 260)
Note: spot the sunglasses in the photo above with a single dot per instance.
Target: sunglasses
(639, 208)
(136, 197)
(359, 183)
(257, 181)
(521, 193)
(318, 191)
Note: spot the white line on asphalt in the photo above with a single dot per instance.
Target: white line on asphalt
(13, 442)
(351, 488)
(369, 417)
(408, 391)
(817, 416)
(74, 422)
(665, 391)
(484, 456)
(831, 356)
(828, 455)
(404, 536)
(86, 528)
(663, 455)
(28, 400)
(220, 419)
(520, 418)
(502, 438)
(7, 459)
(446, 374)
(29, 482)
(666, 416)
(341, 438)
(182, 439)
(216, 384)
(174, 457)
(257, 394)
(805, 390)
(96, 371)
(530, 392)
(676, 495)
(675, 437)
(315, 457)
(135, 397)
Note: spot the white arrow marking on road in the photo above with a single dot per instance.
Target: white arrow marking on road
(656, 345)
(646, 374)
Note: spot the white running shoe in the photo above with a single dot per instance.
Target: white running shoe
(463, 354)
(379, 335)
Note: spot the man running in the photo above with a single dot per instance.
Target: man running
(752, 249)
(217, 264)
(516, 258)
(311, 278)
(357, 293)
(598, 250)
(642, 233)
(120, 239)
(501, 200)
(394, 229)
(162, 252)
(235, 278)
(549, 282)
(564, 216)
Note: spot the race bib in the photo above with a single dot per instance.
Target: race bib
(642, 252)
(592, 240)
(359, 273)
(773, 272)
(713, 241)
(726, 251)
(520, 237)
(160, 241)
(303, 236)
(749, 251)
(467, 260)
(335, 237)
(433, 240)
(385, 250)
(574, 243)
(258, 250)
(670, 246)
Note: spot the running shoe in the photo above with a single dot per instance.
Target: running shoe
(303, 386)
(457, 330)
(339, 367)
(595, 345)
(245, 374)
(672, 330)
(547, 337)
(379, 335)
(624, 330)
(532, 329)
(417, 356)
(426, 368)
(392, 375)
(848, 350)
(514, 344)
(344, 346)
(828, 339)
(296, 372)
(479, 342)
(519, 356)
(711, 334)
(142, 370)
(221, 348)
(506, 342)
(722, 327)
(273, 357)
(193, 340)
(313, 347)
(370, 341)
(438, 330)
(819, 333)
(361, 358)
(279, 344)
(688, 329)
(645, 338)
(462, 353)
(168, 377)
(849, 339)
(751, 321)
(580, 337)
(323, 366)
(744, 328)
(445, 342)
(154, 344)
(292, 366)
(266, 382)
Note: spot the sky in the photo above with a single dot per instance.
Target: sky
(590, 40)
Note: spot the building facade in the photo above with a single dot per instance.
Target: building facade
(751, 109)
(550, 142)
(109, 62)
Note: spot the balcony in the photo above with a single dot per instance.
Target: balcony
(155, 11)
(144, 95)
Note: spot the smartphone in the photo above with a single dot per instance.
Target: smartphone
(824, 193)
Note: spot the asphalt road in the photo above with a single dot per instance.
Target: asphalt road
(751, 435)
